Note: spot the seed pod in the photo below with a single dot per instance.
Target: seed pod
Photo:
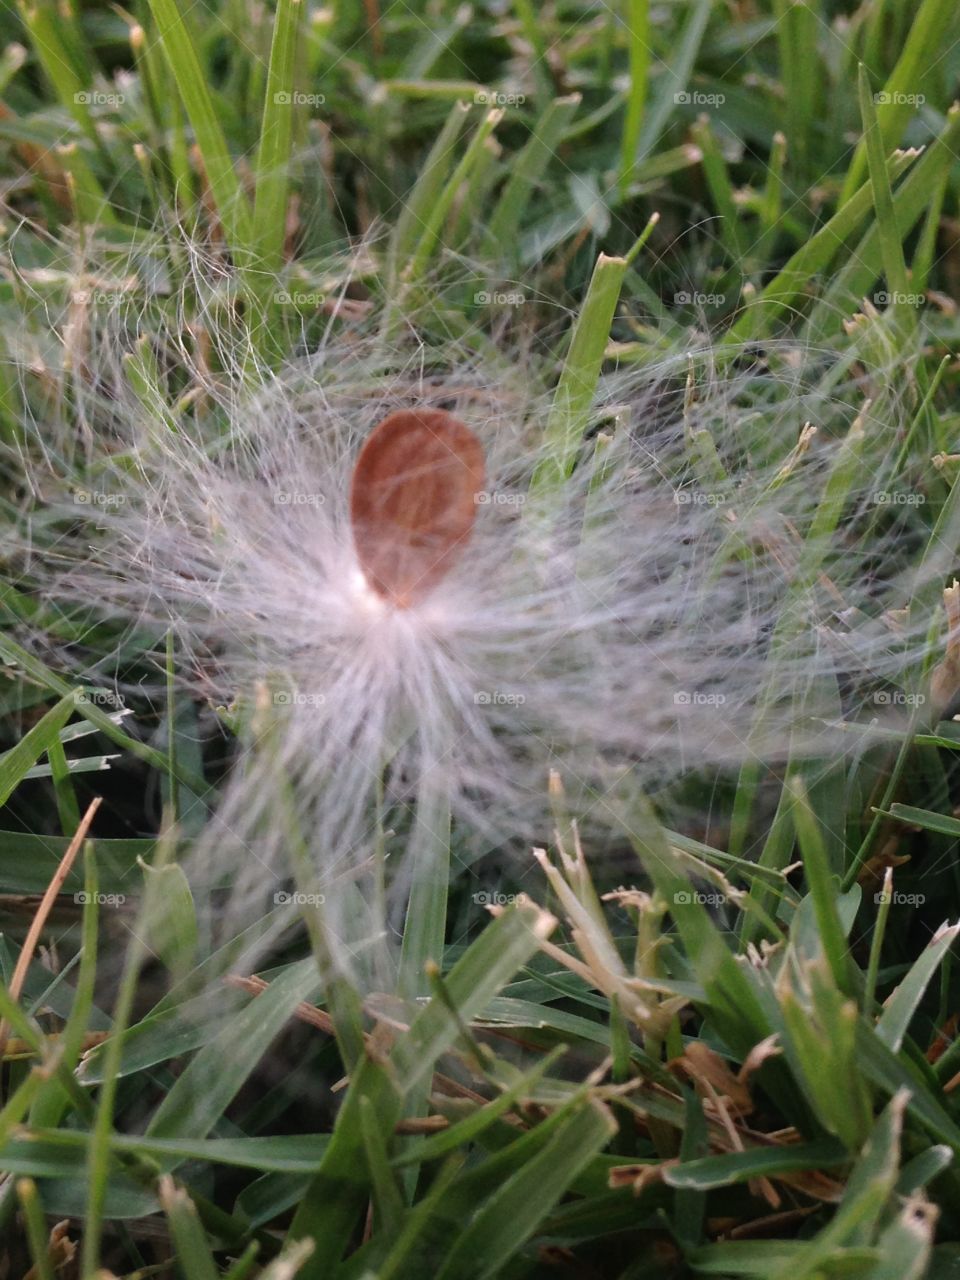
(413, 501)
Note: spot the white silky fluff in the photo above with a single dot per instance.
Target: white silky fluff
(616, 628)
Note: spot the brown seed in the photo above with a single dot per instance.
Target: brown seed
(413, 501)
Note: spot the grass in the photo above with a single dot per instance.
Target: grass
(731, 1050)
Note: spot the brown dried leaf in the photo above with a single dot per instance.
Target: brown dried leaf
(61, 1250)
(757, 1056)
(943, 1039)
(705, 1066)
(638, 1176)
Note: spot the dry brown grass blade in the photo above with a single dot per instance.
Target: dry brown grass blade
(44, 909)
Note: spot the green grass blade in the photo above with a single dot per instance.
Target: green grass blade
(808, 261)
(928, 33)
(514, 1212)
(570, 411)
(822, 885)
(428, 240)
(425, 926)
(638, 45)
(864, 264)
(232, 203)
(189, 1238)
(425, 193)
(202, 1092)
(15, 763)
(526, 172)
(338, 1195)
(276, 135)
(37, 1234)
(902, 1004)
(676, 69)
(38, 671)
(894, 264)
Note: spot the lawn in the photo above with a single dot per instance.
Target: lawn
(480, 530)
